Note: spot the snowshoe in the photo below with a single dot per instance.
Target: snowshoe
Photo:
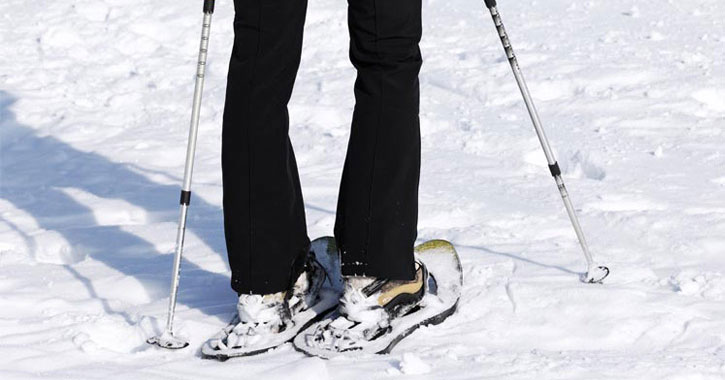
(265, 322)
(375, 315)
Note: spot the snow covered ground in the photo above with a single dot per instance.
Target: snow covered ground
(94, 106)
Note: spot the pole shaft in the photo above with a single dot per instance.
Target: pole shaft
(180, 233)
(196, 106)
(189, 166)
(553, 165)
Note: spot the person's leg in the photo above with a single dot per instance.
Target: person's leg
(377, 209)
(264, 221)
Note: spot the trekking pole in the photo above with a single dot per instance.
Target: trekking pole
(167, 339)
(595, 273)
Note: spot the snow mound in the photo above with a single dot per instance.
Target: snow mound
(411, 364)
(52, 247)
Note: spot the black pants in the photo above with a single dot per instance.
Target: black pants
(377, 209)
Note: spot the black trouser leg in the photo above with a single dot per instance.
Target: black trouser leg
(264, 220)
(378, 202)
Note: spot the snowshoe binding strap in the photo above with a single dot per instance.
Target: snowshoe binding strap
(257, 316)
(306, 289)
(366, 313)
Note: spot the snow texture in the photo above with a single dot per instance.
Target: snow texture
(95, 98)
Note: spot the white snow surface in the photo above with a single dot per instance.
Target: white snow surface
(95, 99)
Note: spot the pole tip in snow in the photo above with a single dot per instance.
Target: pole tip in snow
(490, 3)
(595, 275)
(168, 340)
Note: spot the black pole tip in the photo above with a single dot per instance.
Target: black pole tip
(490, 3)
(209, 6)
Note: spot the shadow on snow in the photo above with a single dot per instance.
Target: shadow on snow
(35, 170)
